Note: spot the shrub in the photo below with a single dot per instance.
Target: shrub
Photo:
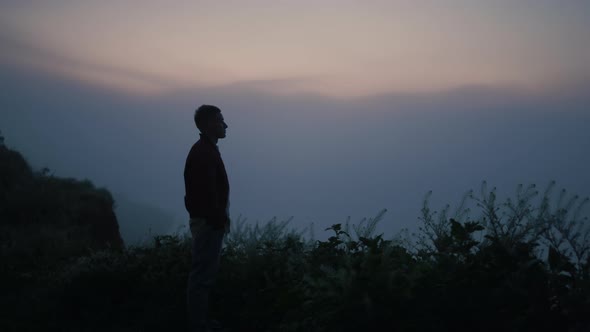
(521, 265)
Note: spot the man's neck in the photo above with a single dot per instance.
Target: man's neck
(211, 138)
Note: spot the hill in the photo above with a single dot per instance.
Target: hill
(52, 216)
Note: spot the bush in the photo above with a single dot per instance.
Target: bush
(521, 265)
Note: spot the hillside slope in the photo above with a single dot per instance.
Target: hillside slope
(47, 214)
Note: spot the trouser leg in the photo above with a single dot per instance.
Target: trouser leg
(206, 252)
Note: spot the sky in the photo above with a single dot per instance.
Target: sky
(335, 108)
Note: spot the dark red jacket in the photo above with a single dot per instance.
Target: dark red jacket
(206, 184)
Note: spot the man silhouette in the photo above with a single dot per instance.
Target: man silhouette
(206, 200)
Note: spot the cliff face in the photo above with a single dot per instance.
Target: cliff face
(40, 212)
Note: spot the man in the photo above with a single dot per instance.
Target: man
(206, 200)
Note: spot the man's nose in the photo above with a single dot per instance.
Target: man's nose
(225, 125)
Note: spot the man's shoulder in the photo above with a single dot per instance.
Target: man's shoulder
(201, 149)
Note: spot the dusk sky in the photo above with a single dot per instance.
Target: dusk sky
(335, 108)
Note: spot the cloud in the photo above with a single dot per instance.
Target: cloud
(28, 55)
(319, 159)
(355, 50)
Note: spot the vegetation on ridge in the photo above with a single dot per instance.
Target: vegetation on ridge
(50, 219)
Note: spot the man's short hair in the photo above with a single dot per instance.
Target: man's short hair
(204, 114)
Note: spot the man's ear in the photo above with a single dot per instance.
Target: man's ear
(209, 125)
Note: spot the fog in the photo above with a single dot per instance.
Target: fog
(317, 159)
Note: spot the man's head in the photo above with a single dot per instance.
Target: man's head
(210, 122)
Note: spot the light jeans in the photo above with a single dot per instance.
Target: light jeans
(206, 253)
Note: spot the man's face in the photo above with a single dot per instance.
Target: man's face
(217, 126)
